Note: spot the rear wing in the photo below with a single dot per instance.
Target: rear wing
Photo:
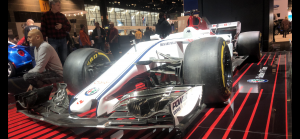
(230, 26)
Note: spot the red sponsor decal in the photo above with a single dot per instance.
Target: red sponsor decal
(190, 40)
(214, 25)
(225, 24)
(80, 101)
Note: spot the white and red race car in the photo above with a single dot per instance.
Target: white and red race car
(162, 83)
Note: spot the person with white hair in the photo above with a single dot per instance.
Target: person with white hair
(54, 25)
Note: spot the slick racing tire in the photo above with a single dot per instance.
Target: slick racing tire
(77, 71)
(11, 70)
(207, 61)
(249, 43)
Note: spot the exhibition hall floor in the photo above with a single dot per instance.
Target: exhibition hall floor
(257, 109)
(279, 38)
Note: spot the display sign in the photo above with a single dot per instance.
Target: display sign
(281, 8)
(44, 5)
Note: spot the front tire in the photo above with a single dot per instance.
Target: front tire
(208, 61)
(77, 72)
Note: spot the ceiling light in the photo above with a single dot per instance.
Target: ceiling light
(78, 13)
(69, 14)
(173, 2)
(74, 14)
(126, 11)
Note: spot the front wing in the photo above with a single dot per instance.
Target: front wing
(183, 109)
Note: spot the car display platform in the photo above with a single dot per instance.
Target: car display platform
(260, 107)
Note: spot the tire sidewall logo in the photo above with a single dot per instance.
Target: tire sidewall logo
(91, 91)
(257, 80)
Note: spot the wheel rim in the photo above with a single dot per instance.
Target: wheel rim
(227, 71)
(9, 70)
(91, 73)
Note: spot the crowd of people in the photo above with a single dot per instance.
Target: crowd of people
(51, 43)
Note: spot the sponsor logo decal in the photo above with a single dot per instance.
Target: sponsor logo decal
(101, 82)
(79, 102)
(167, 43)
(95, 57)
(91, 91)
(262, 72)
(190, 40)
(257, 80)
(175, 105)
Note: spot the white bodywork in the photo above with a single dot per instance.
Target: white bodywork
(125, 69)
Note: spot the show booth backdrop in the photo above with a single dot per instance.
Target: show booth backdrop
(21, 10)
(281, 8)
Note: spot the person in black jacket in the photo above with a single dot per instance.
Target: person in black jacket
(163, 28)
(147, 34)
(98, 37)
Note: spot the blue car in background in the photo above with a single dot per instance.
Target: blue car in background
(19, 59)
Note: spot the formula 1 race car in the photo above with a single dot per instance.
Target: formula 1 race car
(19, 59)
(163, 83)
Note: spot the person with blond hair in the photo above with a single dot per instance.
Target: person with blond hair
(285, 24)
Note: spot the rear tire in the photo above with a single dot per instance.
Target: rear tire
(249, 43)
(11, 70)
(208, 61)
(76, 73)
